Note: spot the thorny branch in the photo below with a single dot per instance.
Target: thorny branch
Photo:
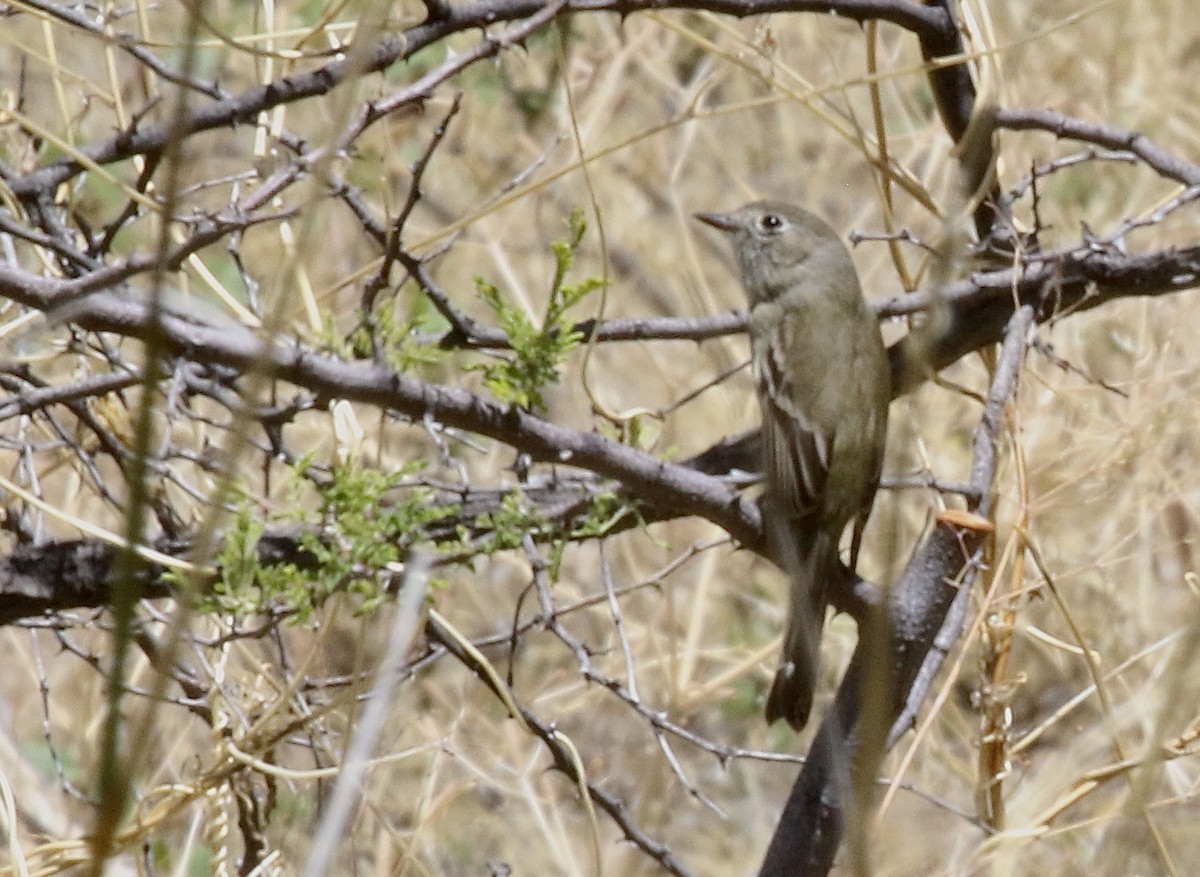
(564, 760)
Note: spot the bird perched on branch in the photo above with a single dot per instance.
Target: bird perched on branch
(823, 386)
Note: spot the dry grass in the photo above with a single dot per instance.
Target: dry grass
(686, 112)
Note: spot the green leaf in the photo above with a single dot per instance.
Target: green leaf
(538, 352)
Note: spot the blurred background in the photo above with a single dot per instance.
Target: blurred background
(637, 122)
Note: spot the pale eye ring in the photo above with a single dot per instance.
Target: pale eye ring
(771, 222)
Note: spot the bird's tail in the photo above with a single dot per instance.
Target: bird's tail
(809, 557)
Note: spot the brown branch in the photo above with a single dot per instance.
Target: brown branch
(29, 400)
(561, 756)
(450, 18)
(56, 576)
(979, 307)
(128, 44)
(1107, 136)
(666, 484)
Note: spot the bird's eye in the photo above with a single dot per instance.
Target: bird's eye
(771, 222)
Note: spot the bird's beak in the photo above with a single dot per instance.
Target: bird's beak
(723, 221)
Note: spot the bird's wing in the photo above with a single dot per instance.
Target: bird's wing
(797, 453)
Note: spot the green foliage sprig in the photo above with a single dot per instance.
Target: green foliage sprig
(538, 351)
(383, 333)
(361, 529)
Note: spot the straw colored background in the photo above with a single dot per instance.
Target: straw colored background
(681, 112)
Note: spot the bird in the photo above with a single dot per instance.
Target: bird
(823, 385)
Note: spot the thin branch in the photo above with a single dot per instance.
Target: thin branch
(246, 108)
(1066, 127)
(30, 400)
(561, 756)
(126, 43)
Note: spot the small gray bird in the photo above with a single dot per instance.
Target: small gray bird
(824, 386)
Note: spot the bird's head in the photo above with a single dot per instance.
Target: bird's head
(780, 247)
